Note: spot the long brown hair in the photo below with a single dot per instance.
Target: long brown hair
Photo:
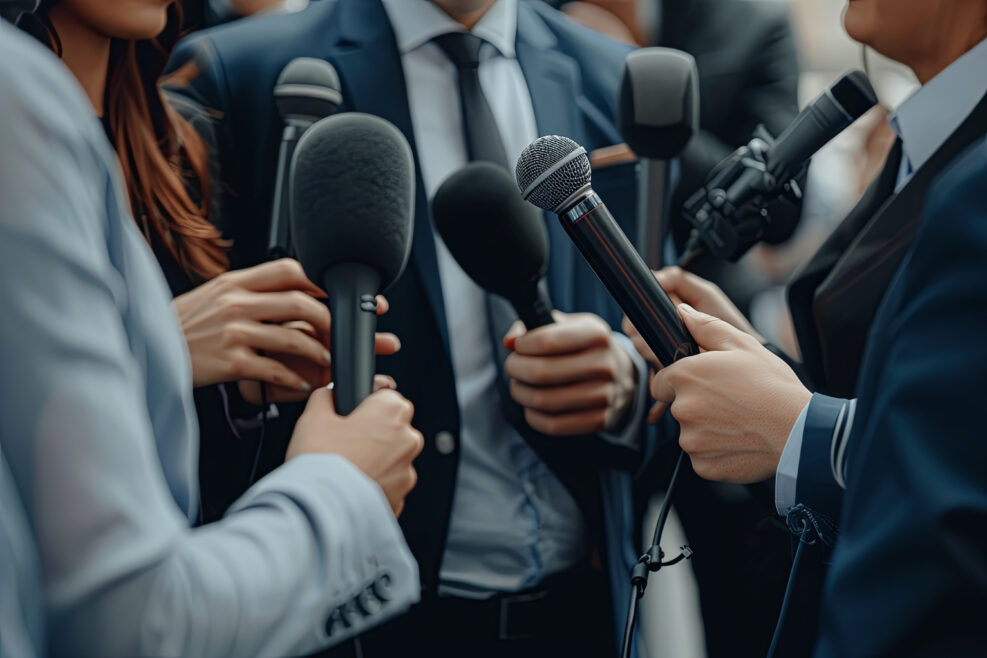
(159, 151)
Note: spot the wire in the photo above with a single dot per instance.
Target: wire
(692, 250)
(776, 638)
(263, 433)
(652, 560)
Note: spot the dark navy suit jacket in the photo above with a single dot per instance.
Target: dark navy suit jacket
(573, 75)
(909, 575)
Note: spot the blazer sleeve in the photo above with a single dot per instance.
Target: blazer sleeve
(911, 566)
(308, 557)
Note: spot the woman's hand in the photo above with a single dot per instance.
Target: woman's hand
(271, 308)
(377, 438)
(698, 293)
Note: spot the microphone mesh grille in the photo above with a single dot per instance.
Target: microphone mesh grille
(541, 156)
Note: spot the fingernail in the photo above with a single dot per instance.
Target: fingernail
(327, 357)
(688, 309)
(306, 387)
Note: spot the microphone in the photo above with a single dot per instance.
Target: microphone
(554, 174)
(729, 215)
(657, 113)
(307, 90)
(352, 211)
(499, 240)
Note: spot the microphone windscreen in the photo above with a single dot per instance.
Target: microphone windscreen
(353, 196)
(550, 170)
(658, 105)
(308, 89)
(854, 93)
(499, 240)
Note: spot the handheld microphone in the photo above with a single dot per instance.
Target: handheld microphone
(729, 214)
(554, 174)
(307, 90)
(499, 240)
(657, 113)
(352, 210)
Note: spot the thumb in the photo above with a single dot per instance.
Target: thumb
(712, 334)
(516, 331)
(321, 402)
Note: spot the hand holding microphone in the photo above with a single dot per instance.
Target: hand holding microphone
(565, 370)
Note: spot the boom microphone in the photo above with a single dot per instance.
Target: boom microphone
(499, 240)
(307, 90)
(729, 214)
(352, 209)
(554, 174)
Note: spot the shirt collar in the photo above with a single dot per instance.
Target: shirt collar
(929, 116)
(416, 22)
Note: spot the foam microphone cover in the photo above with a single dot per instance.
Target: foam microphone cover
(499, 240)
(658, 104)
(353, 196)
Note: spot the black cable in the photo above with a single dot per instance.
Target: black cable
(652, 560)
(692, 250)
(263, 433)
(776, 638)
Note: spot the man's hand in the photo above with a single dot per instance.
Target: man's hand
(699, 293)
(377, 438)
(736, 402)
(571, 376)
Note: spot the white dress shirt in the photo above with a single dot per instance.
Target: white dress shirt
(513, 522)
(923, 123)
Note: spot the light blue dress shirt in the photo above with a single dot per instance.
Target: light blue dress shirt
(98, 426)
(923, 123)
(513, 522)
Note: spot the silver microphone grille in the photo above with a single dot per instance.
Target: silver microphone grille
(552, 169)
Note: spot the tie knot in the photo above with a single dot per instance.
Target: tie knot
(462, 48)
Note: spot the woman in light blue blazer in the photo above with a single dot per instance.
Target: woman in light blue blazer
(98, 427)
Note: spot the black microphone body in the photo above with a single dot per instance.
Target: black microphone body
(352, 289)
(622, 270)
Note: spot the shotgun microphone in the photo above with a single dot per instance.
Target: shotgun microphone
(553, 173)
(352, 210)
(307, 90)
(499, 240)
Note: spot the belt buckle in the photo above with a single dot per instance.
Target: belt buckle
(506, 603)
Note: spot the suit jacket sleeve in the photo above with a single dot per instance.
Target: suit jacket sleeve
(124, 575)
(911, 566)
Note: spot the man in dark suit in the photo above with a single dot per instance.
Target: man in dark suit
(883, 314)
(507, 522)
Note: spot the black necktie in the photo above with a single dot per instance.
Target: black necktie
(483, 141)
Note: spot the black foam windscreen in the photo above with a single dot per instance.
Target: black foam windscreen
(307, 90)
(658, 104)
(499, 240)
(353, 196)
(854, 93)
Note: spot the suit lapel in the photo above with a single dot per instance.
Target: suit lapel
(369, 64)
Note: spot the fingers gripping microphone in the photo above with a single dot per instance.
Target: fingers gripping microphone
(657, 113)
(729, 214)
(307, 90)
(499, 240)
(352, 209)
(553, 173)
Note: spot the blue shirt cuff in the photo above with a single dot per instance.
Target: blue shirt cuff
(788, 465)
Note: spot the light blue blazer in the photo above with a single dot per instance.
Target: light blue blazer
(98, 426)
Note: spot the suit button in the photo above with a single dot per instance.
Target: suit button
(445, 443)
(367, 602)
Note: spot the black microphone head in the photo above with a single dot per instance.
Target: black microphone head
(854, 93)
(353, 196)
(307, 90)
(499, 240)
(551, 170)
(658, 105)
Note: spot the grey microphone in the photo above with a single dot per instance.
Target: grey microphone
(307, 90)
(657, 113)
(352, 211)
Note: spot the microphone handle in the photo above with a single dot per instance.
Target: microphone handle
(352, 290)
(277, 244)
(608, 251)
(533, 306)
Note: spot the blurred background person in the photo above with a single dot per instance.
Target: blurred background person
(98, 428)
(507, 523)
